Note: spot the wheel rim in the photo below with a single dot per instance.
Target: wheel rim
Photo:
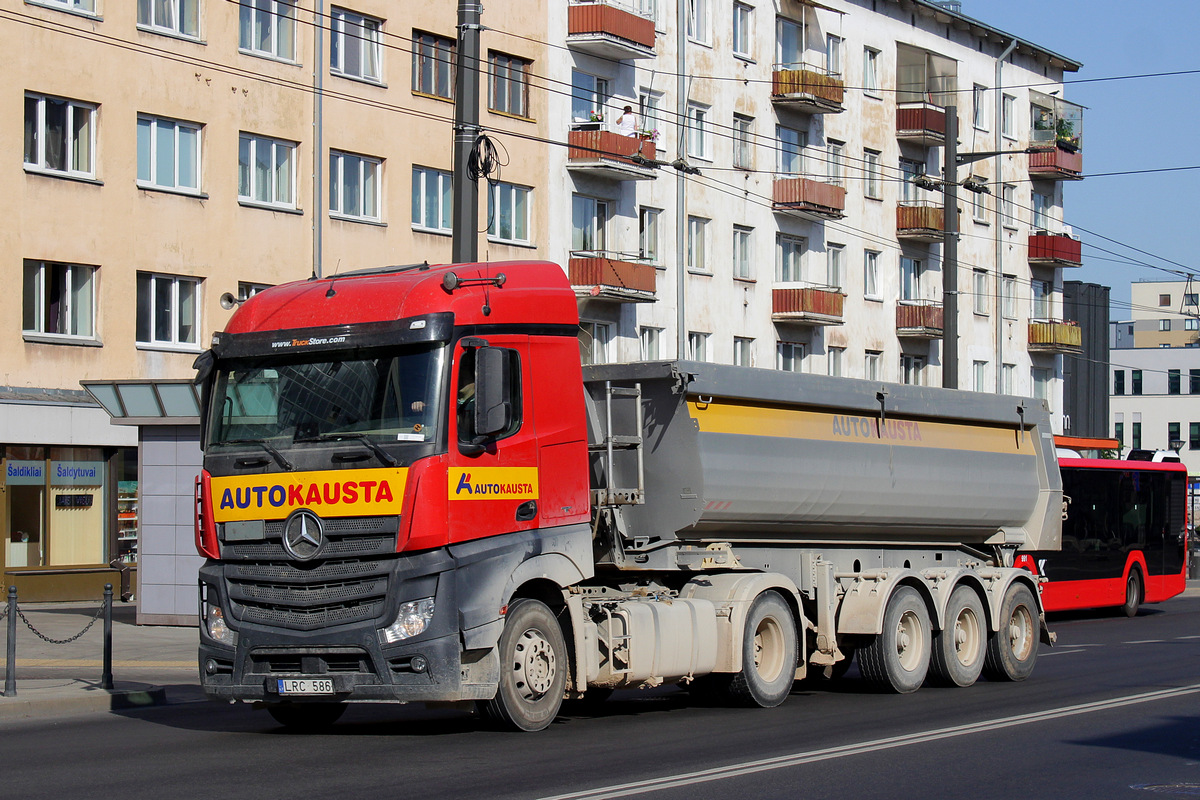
(968, 637)
(910, 641)
(534, 665)
(768, 649)
(1020, 633)
(1131, 591)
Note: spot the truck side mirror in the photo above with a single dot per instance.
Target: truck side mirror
(493, 391)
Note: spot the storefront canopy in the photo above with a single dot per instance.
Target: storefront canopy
(153, 402)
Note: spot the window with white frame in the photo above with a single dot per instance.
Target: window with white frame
(178, 17)
(698, 346)
(743, 30)
(699, 138)
(354, 186)
(1008, 205)
(1008, 291)
(979, 375)
(589, 93)
(789, 356)
(246, 290)
(1041, 383)
(1007, 374)
(979, 291)
(873, 187)
(910, 278)
(871, 274)
(589, 222)
(697, 20)
(60, 135)
(743, 352)
(648, 246)
(791, 150)
(508, 213)
(1042, 203)
(268, 28)
(508, 84)
(1191, 324)
(978, 207)
(84, 6)
(1042, 292)
(871, 72)
(979, 101)
(1164, 324)
(355, 45)
(912, 370)
(266, 171)
(833, 361)
(59, 300)
(789, 44)
(743, 252)
(433, 64)
(649, 105)
(836, 161)
(168, 153)
(789, 257)
(742, 149)
(650, 338)
(873, 365)
(833, 55)
(432, 199)
(1008, 116)
(593, 341)
(909, 170)
(834, 257)
(697, 244)
(167, 310)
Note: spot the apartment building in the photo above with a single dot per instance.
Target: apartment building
(1162, 314)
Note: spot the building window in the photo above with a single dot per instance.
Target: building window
(648, 249)
(978, 207)
(743, 352)
(86, 6)
(1191, 324)
(168, 154)
(836, 156)
(248, 290)
(833, 361)
(791, 150)
(1137, 381)
(1173, 382)
(833, 265)
(268, 28)
(909, 170)
(648, 107)
(1164, 300)
(789, 44)
(355, 45)
(697, 20)
(979, 98)
(508, 213)
(699, 140)
(912, 370)
(59, 300)
(1137, 436)
(833, 55)
(1007, 375)
(871, 275)
(1172, 433)
(59, 135)
(742, 151)
(266, 171)
(589, 94)
(789, 356)
(179, 17)
(910, 278)
(873, 186)
(1008, 287)
(1194, 436)
(354, 186)
(743, 252)
(432, 199)
(1041, 384)
(167, 309)
(433, 64)
(872, 365)
(1194, 381)
(1008, 112)
(789, 255)
(743, 30)
(1191, 298)
(649, 340)
(980, 291)
(1119, 433)
(1042, 204)
(1042, 292)
(1008, 206)
(508, 85)
(698, 346)
(979, 375)
(1119, 381)
(697, 246)
(871, 72)
(593, 342)
(589, 223)
(1164, 324)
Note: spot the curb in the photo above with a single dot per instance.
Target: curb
(43, 701)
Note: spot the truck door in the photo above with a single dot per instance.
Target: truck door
(492, 479)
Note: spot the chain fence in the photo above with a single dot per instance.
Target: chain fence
(69, 639)
(10, 671)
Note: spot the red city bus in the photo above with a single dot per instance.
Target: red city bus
(1124, 538)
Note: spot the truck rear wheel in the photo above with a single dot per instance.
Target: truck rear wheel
(533, 668)
(897, 660)
(958, 649)
(306, 717)
(1012, 650)
(768, 654)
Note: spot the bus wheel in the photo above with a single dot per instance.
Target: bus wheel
(897, 660)
(768, 654)
(1012, 650)
(533, 668)
(957, 657)
(306, 717)
(1133, 593)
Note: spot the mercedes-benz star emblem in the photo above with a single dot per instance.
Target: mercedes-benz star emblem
(303, 535)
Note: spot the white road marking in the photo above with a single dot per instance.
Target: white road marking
(1187, 637)
(1058, 653)
(797, 759)
(1146, 641)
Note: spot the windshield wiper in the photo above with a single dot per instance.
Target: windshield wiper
(379, 452)
(280, 459)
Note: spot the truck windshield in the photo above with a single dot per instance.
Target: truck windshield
(392, 397)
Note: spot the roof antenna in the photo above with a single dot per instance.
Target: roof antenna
(331, 292)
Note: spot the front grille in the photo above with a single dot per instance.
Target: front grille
(311, 662)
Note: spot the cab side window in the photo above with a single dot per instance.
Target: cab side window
(465, 396)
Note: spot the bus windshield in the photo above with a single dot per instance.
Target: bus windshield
(389, 397)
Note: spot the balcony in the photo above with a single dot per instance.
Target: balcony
(1054, 250)
(808, 91)
(610, 155)
(919, 319)
(1051, 336)
(921, 123)
(1055, 163)
(808, 199)
(920, 222)
(597, 276)
(609, 30)
(818, 305)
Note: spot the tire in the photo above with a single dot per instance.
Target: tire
(1133, 592)
(533, 669)
(897, 660)
(306, 717)
(769, 654)
(959, 648)
(1012, 650)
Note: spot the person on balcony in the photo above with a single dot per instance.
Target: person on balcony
(627, 122)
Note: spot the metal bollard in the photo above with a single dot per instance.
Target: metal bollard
(106, 679)
(10, 670)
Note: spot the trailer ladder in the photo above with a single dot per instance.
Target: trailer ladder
(611, 495)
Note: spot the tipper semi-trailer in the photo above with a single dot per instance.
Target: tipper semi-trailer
(413, 492)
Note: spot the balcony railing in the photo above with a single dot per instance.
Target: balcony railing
(609, 276)
(808, 90)
(815, 305)
(808, 198)
(611, 155)
(921, 123)
(920, 319)
(1052, 336)
(1056, 163)
(610, 30)
(920, 221)
(1055, 250)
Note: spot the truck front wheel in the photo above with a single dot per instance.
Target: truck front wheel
(768, 654)
(533, 668)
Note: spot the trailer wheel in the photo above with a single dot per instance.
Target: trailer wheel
(768, 654)
(897, 660)
(1012, 650)
(533, 668)
(1133, 593)
(306, 717)
(958, 649)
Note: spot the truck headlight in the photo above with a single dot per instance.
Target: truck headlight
(413, 619)
(217, 629)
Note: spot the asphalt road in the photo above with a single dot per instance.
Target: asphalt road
(1113, 711)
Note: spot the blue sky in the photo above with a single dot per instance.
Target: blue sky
(1138, 124)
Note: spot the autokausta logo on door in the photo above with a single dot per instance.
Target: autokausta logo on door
(328, 493)
(493, 483)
